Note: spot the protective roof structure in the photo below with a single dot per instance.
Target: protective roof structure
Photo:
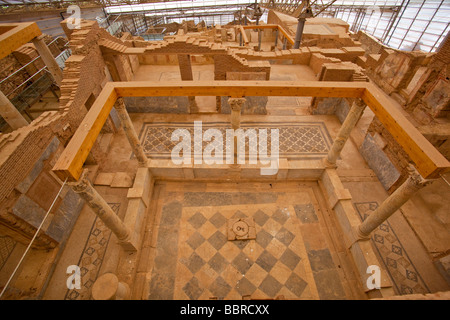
(400, 24)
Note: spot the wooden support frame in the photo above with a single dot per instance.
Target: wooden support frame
(14, 35)
(429, 162)
(266, 26)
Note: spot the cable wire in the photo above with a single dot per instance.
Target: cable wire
(32, 240)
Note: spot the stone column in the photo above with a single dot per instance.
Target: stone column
(276, 38)
(101, 208)
(350, 121)
(236, 107)
(259, 39)
(108, 287)
(414, 183)
(9, 112)
(184, 62)
(284, 43)
(48, 59)
(299, 34)
(130, 132)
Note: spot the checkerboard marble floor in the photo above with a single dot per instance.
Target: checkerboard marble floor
(292, 256)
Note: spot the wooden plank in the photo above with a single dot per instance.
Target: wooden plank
(271, 26)
(262, 26)
(241, 88)
(70, 163)
(14, 35)
(428, 160)
(286, 35)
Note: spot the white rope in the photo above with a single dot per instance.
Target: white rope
(32, 240)
(444, 179)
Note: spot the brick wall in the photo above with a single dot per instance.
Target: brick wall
(20, 149)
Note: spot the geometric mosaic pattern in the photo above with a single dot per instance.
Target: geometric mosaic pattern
(7, 245)
(210, 266)
(91, 258)
(194, 260)
(402, 271)
(308, 139)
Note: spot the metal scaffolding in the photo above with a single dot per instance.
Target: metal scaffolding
(400, 24)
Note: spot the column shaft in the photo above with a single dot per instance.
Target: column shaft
(130, 132)
(276, 38)
(9, 112)
(49, 60)
(184, 62)
(413, 184)
(236, 107)
(101, 208)
(349, 123)
(259, 39)
(299, 34)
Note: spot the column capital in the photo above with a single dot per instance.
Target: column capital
(120, 104)
(236, 103)
(82, 184)
(360, 103)
(416, 178)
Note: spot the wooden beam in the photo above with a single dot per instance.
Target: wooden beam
(271, 26)
(428, 160)
(286, 35)
(14, 35)
(261, 26)
(241, 88)
(70, 163)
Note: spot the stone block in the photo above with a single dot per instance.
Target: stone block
(342, 108)
(177, 105)
(65, 217)
(37, 168)
(104, 179)
(142, 187)
(134, 218)
(379, 162)
(122, 180)
(29, 211)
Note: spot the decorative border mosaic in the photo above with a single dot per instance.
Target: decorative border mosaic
(92, 257)
(7, 245)
(402, 271)
(297, 140)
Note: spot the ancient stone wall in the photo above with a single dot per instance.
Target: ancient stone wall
(22, 156)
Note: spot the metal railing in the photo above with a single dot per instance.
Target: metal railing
(34, 88)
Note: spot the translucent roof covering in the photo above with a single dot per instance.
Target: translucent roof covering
(400, 24)
(406, 25)
(176, 5)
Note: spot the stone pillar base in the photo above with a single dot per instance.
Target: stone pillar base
(108, 287)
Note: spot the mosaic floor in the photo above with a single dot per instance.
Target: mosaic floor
(297, 140)
(290, 257)
(7, 245)
(404, 275)
(92, 258)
